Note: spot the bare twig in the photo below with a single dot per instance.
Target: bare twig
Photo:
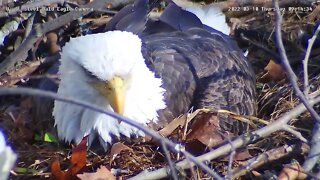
(315, 147)
(269, 156)
(237, 143)
(314, 152)
(292, 76)
(174, 147)
(231, 155)
(297, 134)
(173, 171)
(29, 25)
(306, 61)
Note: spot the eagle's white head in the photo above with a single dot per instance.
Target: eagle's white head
(107, 70)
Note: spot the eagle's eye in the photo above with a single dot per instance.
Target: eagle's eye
(113, 91)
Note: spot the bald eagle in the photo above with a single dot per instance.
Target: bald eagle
(151, 77)
(7, 158)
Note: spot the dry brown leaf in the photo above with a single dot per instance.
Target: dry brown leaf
(56, 173)
(205, 130)
(78, 162)
(102, 174)
(117, 148)
(274, 72)
(180, 121)
(292, 172)
(78, 157)
(173, 125)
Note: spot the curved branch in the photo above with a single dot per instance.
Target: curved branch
(174, 147)
(237, 143)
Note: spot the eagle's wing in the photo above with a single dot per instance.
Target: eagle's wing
(201, 69)
(131, 18)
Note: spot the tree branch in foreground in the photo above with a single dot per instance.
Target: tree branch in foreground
(174, 147)
(315, 146)
(237, 143)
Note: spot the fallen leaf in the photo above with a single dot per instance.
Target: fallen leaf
(101, 174)
(206, 132)
(205, 129)
(117, 148)
(78, 157)
(274, 72)
(173, 125)
(78, 162)
(292, 172)
(181, 121)
(56, 173)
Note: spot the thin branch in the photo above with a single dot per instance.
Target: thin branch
(291, 75)
(306, 61)
(173, 171)
(29, 24)
(231, 155)
(297, 134)
(174, 147)
(315, 146)
(268, 156)
(314, 152)
(237, 143)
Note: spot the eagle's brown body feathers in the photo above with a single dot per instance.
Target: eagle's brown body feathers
(201, 69)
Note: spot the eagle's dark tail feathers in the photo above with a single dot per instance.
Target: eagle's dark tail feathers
(132, 18)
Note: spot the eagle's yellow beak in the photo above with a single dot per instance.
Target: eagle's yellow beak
(113, 90)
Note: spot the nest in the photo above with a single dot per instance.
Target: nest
(275, 98)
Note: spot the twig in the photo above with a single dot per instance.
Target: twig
(269, 156)
(295, 133)
(314, 152)
(315, 146)
(173, 171)
(231, 155)
(292, 76)
(237, 143)
(174, 147)
(40, 29)
(29, 24)
(306, 61)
